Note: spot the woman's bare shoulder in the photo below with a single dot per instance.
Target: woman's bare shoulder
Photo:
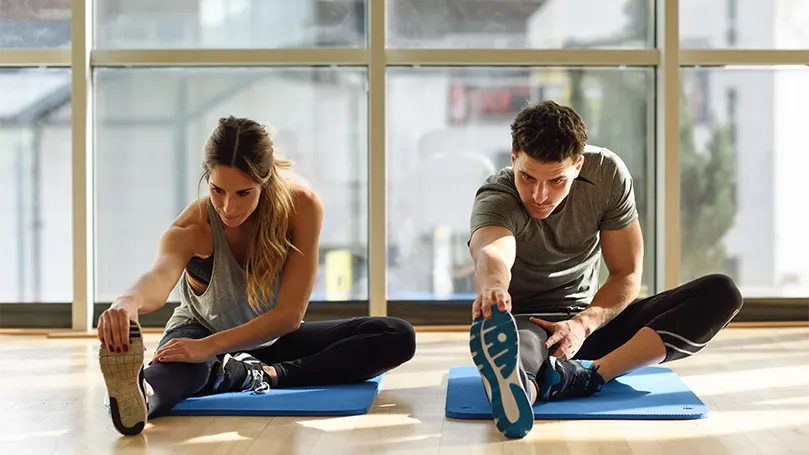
(193, 222)
(307, 206)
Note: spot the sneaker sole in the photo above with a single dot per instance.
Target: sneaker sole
(496, 352)
(123, 375)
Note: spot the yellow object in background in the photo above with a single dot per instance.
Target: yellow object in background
(338, 275)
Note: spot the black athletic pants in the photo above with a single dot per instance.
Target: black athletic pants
(686, 318)
(318, 353)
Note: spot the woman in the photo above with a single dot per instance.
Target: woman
(247, 255)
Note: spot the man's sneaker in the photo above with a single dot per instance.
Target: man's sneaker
(495, 348)
(560, 379)
(123, 375)
(241, 372)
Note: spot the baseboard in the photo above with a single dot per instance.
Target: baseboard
(56, 317)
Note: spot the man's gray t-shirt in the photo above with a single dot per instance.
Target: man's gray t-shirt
(558, 258)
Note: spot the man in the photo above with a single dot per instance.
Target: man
(538, 231)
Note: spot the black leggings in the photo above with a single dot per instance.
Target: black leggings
(686, 318)
(318, 353)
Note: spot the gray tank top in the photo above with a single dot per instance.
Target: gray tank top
(224, 303)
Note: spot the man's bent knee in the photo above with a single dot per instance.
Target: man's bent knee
(726, 298)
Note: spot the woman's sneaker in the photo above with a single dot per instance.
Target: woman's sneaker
(241, 372)
(123, 375)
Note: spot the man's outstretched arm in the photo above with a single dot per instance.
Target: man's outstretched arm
(493, 250)
(623, 256)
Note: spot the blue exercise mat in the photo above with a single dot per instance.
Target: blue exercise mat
(335, 400)
(651, 393)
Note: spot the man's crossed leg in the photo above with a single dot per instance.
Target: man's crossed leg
(665, 327)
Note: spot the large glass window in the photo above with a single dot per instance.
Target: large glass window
(742, 160)
(34, 24)
(235, 24)
(744, 24)
(151, 126)
(36, 243)
(526, 24)
(448, 130)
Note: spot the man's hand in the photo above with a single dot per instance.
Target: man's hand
(488, 297)
(184, 350)
(568, 336)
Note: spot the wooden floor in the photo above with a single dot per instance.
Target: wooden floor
(755, 381)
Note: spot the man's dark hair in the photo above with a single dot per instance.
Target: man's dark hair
(548, 132)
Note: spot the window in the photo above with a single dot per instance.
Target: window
(235, 24)
(448, 130)
(35, 24)
(151, 126)
(526, 24)
(744, 24)
(35, 177)
(750, 145)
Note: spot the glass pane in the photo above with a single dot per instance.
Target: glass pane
(36, 234)
(448, 130)
(741, 158)
(744, 24)
(34, 24)
(525, 24)
(245, 24)
(151, 126)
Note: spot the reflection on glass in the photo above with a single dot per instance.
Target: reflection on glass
(239, 24)
(527, 24)
(39, 24)
(36, 243)
(151, 126)
(448, 130)
(742, 152)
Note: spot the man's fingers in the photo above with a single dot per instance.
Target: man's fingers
(553, 339)
(486, 305)
(476, 308)
(569, 352)
(500, 299)
(542, 323)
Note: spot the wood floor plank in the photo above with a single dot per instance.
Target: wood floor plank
(754, 380)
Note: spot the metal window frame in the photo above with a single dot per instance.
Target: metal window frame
(666, 58)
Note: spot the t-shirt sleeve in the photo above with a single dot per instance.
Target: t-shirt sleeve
(621, 210)
(496, 206)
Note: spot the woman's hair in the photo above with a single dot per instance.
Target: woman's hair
(247, 146)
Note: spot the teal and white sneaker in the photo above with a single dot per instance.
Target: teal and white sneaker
(495, 347)
(561, 379)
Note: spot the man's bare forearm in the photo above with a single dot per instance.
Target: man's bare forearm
(613, 297)
(491, 270)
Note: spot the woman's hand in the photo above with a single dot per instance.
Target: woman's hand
(113, 326)
(184, 350)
